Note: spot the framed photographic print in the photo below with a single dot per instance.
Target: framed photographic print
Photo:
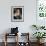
(17, 13)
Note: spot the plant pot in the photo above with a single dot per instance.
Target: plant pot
(40, 41)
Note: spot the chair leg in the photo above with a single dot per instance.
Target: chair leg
(5, 40)
(5, 43)
(17, 39)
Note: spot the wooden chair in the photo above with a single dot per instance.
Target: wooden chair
(8, 34)
(25, 36)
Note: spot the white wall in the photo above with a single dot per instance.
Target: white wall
(29, 15)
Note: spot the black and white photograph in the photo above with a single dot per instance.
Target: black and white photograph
(17, 13)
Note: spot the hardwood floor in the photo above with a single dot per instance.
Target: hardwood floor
(13, 44)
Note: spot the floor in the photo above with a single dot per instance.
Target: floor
(13, 44)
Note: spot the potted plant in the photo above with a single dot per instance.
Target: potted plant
(39, 35)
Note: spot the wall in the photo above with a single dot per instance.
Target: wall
(29, 15)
